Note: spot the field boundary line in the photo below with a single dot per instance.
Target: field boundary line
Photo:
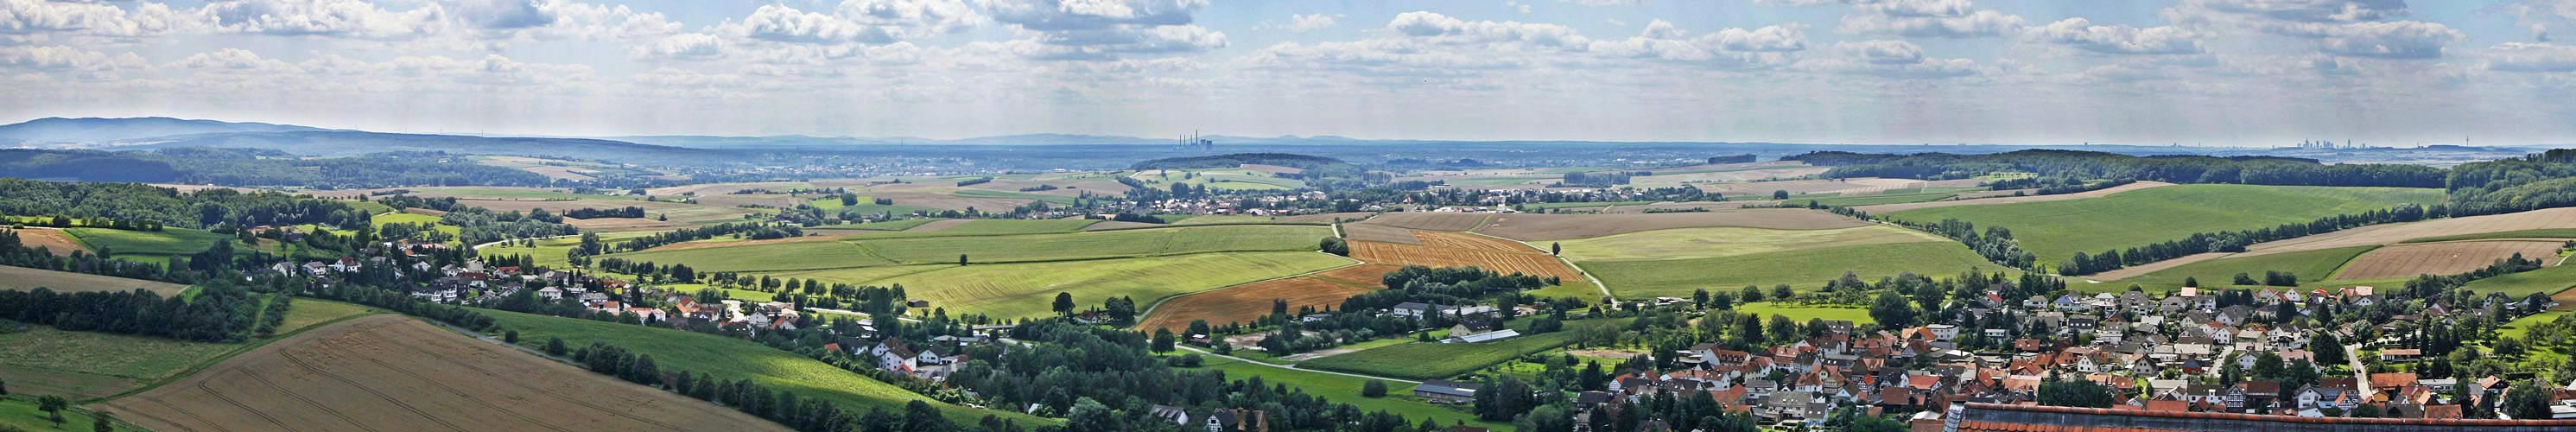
(1295, 368)
(2340, 267)
(1158, 303)
(246, 347)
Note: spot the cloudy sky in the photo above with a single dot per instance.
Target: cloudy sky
(2206, 72)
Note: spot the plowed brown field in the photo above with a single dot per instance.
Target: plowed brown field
(1245, 303)
(53, 240)
(1449, 249)
(1379, 233)
(2405, 261)
(390, 373)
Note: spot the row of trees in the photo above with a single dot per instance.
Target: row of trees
(2236, 241)
(219, 312)
(2098, 165)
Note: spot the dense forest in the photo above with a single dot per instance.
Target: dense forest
(252, 167)
(2096, 165)
(209, 208)
(2545, 180)
(217, 313)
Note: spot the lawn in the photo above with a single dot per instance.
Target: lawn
(1344, 389)
(2547, 280)
(2057, 230)
(1434, 360)
(732, 359)
(2311, 266)
(1026, 289)
(1803, 269)
(1801, 313)
(164, 243)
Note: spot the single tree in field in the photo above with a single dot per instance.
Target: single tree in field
(961, 259)
(1164, 341)
(1751, 294)
(1781, 292)
(1063, 303)
(4, 387)
(555, 346)
(1278, 306)
(1374, 388)
(2191, 282)
(1780, 194)
(105, 422)
(1554, 248)
(53, 407)
(510, 336)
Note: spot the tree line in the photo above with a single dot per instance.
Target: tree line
(218, 313)
(2236, 241)
(2258, 170)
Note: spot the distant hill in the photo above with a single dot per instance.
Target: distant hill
(1238, 159)
(350, 143)
(57, 130)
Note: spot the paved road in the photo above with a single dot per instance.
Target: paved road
(2353, 352)
(1294, 367)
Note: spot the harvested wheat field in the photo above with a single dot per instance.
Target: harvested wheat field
(1852, 186)
(1885, 208)
(1540, 227)
(1244, 303)
(53, 240)
(22, 278)
(2406, 261)
(1378, 233)
(1435, 221)
(1451, 249)
(390, 373)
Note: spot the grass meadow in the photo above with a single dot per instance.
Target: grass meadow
(2057, 230)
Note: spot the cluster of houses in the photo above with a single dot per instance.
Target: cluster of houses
(2127, 342)
(1270, 205)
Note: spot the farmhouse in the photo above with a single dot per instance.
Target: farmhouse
(1445, 391)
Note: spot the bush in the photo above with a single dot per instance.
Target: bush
(1374, 388)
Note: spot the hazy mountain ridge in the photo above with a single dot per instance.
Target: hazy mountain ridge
(58, 130)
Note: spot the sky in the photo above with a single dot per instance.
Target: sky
(2189, 72)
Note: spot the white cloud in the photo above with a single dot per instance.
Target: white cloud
(2532, 57)
(2383, 39)
(1927, 18)
(1442, 28)
(1888, 59)
(680, 46)
(1731, 47)
(328, 18)
(88, 64)
(88, 18)
(1096, 30)
(1306, 22)
(2118, 39)
(2308, 10)
(781, 23)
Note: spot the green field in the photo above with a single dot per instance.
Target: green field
(1025, 289)
(1102, 244)
(2057, 230)
(2522, 326)
(1804, 269)
(1223, 178)
(987, 193)
(1434, 360)
(1017, 226)
(866, 205)
(732, 359)
(1344, 389)
(86, 365)
(521, 194)
(810, 255)
(164, 243)
(2537, 233)
(550, 252)
(1801, 313)
(2547, 280)
(1873, 199)
(893, 225)
(1230, 220)
(413, 218)
(1729, 241)
(2311, 266)
(18, 411)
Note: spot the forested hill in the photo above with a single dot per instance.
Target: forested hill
(351, 143)
(90, 130)
(1237, 159)
(2097, 165)
(2545, 180)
